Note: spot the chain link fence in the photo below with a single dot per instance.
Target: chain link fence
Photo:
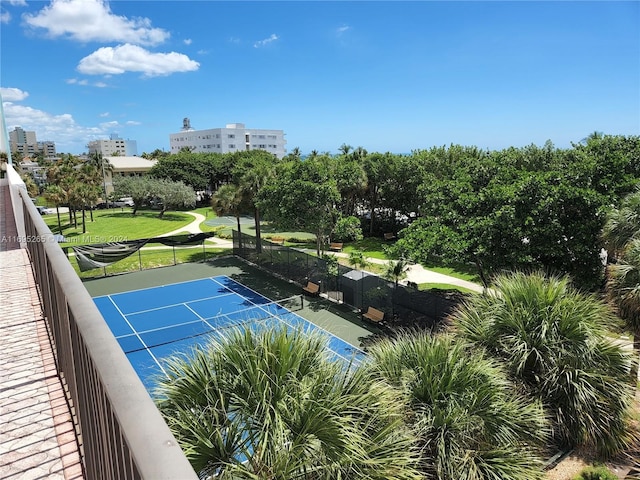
(357, 288)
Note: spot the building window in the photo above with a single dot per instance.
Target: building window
(231, 145)
(231, 135)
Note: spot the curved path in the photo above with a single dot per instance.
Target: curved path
(194, 227)
(415, 273)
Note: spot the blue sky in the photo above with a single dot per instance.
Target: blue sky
(387, 76)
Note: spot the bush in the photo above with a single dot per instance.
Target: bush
(347, 229)
(596, 473)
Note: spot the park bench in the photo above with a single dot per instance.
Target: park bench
(335, 246)
(278, 240)
(374, 315)
(312, 288)
(389, 236)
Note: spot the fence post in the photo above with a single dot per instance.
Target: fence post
(174, 253)
(140, 259)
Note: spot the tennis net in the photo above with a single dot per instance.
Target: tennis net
(166, 335)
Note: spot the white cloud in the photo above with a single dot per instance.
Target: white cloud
(104, 114)
(68, 135)
(109, 125)
(187, 41)
(17, 3)
(5, 17)
(93, 21)
(61, 129)
(261, 43)
(133, 122)
(84, 82)
(342, 29)
(131, 58)
(12, 94)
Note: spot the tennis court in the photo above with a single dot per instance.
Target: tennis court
(154, 323)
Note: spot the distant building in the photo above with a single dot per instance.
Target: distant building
(114, 146)
(235, 137)
(126, 167)
(25, 142)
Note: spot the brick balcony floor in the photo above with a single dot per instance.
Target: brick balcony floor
(37, 438)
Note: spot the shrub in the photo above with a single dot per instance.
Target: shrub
(347, 229)
(596, 473)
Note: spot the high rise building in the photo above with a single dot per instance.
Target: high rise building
(235, 137)
(25, 142)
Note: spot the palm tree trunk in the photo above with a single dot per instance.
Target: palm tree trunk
(84, 222)
(239, 232)
(256, 218)
(58, 214)
(635, 360)
(478, 263)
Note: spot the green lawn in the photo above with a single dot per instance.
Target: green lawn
(373, 247)
(462, 272)
(117, 225)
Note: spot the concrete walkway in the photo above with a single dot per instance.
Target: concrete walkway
(418, 274)
(194, 227)
(415, 273)
(37, 436)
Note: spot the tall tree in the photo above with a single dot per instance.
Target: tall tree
(229, 199)
(57, 196)
(302, 196)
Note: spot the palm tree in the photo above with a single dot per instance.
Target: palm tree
(271, 404)
(396, 270)
(57, 196)
(471, 423)
(102, 165)
(623, 289)
(357, 259)
(556, 342)
(344, 149)
(623, 224)
(251, 181)
(229, 199)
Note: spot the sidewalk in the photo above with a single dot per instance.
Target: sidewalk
(418, 274)
(194, 227)
(415, 273)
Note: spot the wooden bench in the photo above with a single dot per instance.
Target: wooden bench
(278, 240)
(374, 315)
(335, 246)
(312, 288)
(389, 236)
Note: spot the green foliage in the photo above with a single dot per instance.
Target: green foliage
(471, 422)
(302, 196)
(511, 209)
(201, 171)
(556, 341)
(357, 259)
(347, 229)
(271, 404)
(596, 473)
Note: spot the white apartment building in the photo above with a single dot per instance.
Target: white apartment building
(114, 146)
(235, 137)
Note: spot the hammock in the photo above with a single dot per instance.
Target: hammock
(102, 254)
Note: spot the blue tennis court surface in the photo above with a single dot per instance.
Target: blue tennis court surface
(153, 323)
